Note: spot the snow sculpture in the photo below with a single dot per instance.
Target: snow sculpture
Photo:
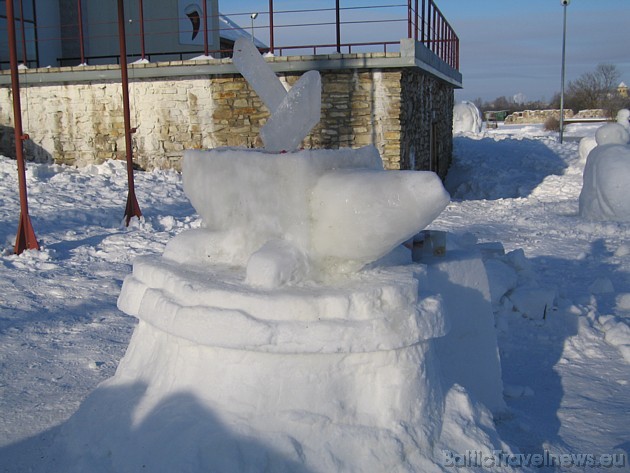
(607, 135)
(612, 133)
(260, 346)
(586, 146)
(604, 194)
(623, 118)
(466, 118)
(291, 216)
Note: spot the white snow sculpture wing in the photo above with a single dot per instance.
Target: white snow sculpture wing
(293, 114)
(258, 74)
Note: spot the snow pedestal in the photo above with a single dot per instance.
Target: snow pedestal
(331, 377)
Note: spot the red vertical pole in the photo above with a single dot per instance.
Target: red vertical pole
(133, 209)
(415, 26)
(271, 26)
(409, 19)
(422, 18)
(338, 25)
(25, 239)
(205, 28)
(433, 29)
(23, 31)
(141, 14)
(80, 12)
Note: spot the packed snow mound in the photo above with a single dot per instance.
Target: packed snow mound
(612, 134)
(337, 209)
(604, 194)
(466, 118)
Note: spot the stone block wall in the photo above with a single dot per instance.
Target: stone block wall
(536, 116)
(77, 123)
(426, 141)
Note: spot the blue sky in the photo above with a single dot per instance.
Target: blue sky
(507, 46)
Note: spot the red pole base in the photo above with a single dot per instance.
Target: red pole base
(26, 239)
(132, 209)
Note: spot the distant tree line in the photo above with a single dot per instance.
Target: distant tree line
(592, 90)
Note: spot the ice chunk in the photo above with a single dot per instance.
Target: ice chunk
(293, 114)
(276, 264)
(338, 207)
(466, 118)
(533, 302)
(296, 116)
(360, 215)
(258, 74)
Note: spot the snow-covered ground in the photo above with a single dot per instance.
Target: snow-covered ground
(561, 293)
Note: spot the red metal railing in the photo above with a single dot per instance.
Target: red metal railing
(351, 29)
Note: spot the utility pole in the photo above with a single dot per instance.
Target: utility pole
(565, 4)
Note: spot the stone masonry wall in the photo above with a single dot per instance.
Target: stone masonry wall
(426, 122)
(82, 123)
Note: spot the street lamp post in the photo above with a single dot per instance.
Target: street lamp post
(253, 16)
(565, 4)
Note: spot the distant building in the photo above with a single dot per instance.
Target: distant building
(622, 89)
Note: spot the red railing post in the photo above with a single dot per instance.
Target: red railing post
(23, 34)
(456, 53)
(409, 20)
(141, 14)
(81, 47)
(271, 45)
(25, 239)
(422, 19)
(205, 28)
(132, 209)
(415, 26)
(433, 29)
(338, 25)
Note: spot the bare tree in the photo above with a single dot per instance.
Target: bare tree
(594, 89)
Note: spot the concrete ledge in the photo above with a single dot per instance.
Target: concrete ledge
(413, 54)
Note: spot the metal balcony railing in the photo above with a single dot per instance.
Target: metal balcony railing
(335, 27)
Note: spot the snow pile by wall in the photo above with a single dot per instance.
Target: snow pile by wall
(604, 194)
(466, 118)
(376, 370)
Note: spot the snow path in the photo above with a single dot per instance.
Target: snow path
(579, 385)
(60, 330)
